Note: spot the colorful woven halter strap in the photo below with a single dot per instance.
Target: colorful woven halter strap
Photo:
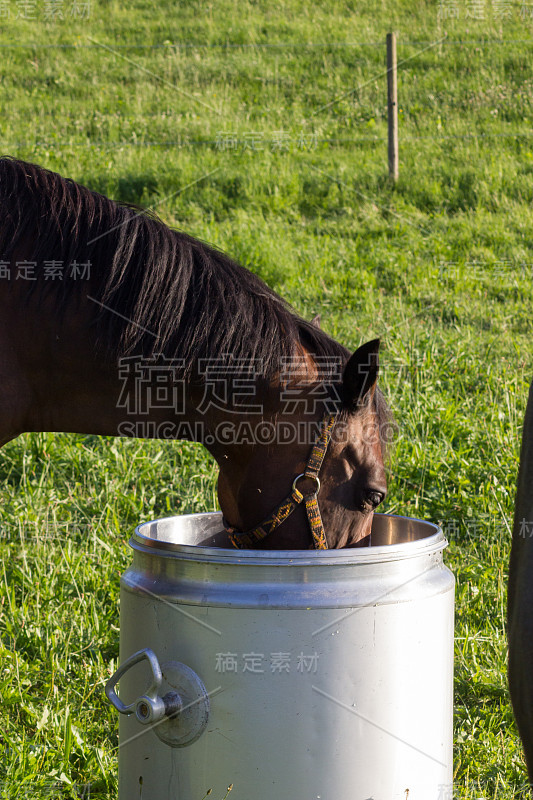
(248, 539)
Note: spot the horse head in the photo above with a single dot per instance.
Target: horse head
(258, 478)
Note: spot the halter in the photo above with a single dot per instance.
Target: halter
(247, 539)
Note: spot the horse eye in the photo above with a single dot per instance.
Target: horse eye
(373, 498)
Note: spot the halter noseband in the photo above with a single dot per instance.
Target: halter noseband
(247, 539)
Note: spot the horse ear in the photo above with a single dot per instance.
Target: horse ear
(360, 374)
(316, 321)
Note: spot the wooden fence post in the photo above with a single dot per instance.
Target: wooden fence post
(392, 105)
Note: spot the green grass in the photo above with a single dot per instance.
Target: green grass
(439, 266)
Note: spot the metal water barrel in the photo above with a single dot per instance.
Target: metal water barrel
(309, 675)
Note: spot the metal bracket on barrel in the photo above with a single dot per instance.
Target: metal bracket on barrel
(178, 717)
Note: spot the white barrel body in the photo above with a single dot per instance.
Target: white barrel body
(329, 673)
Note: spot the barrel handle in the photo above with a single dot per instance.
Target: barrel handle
(180, 717)
(148, 707)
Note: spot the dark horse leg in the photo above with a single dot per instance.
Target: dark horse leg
(520, 596)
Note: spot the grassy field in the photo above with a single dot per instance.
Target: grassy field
(261, 127)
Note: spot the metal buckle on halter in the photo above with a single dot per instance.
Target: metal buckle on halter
(310, 477)
(242, 539)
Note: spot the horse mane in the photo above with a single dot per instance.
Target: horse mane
(156, 290)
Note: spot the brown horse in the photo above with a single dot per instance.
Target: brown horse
(112, 323)
(520, 595)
